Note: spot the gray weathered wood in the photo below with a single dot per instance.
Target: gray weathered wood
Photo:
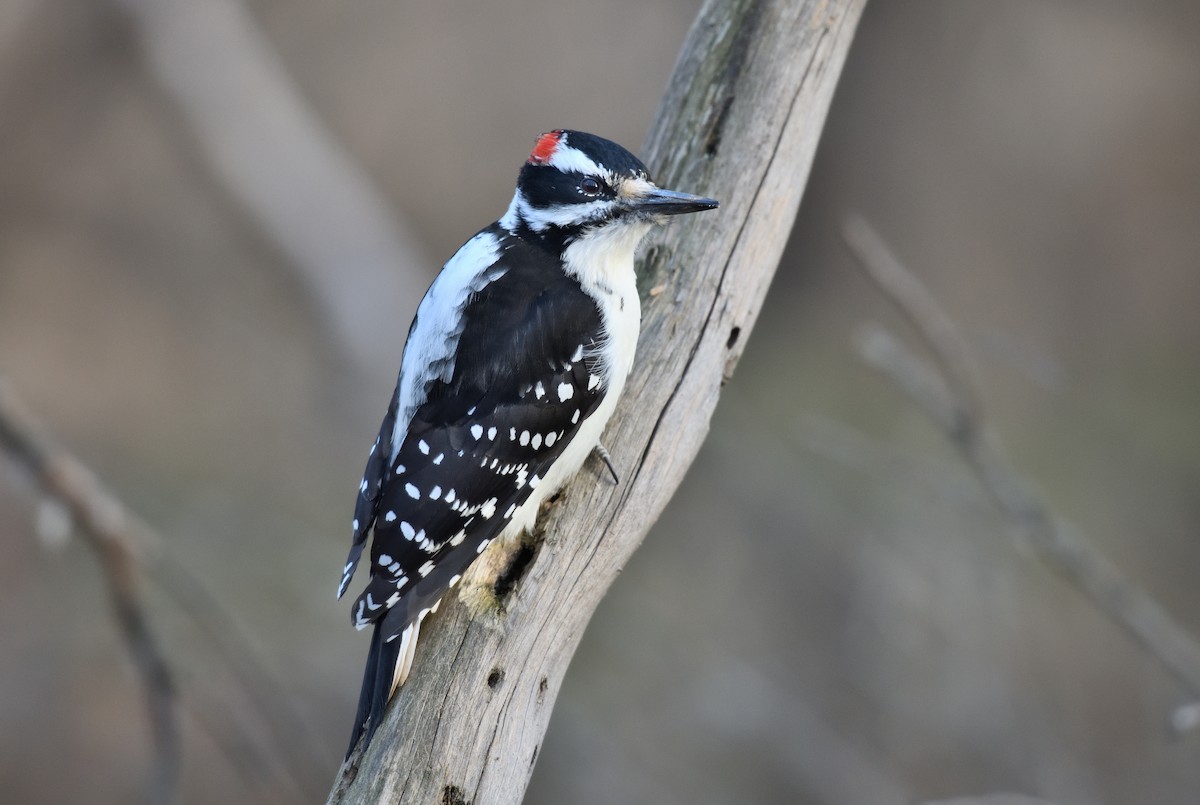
(740, 122)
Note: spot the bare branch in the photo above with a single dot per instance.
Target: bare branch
(917, 304)
(945, 394)
(131, 553)
(992, 799)
(279, 162)
(108, 531)
(739, 122)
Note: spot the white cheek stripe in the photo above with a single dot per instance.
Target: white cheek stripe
(563, 215)
(538, 219)
(439, 324)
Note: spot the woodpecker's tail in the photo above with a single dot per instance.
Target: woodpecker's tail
(376, 687)
(388, 664)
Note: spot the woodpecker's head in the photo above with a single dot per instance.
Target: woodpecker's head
(575, 185)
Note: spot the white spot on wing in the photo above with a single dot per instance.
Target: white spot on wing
(477, 430)
(565, 391)
(412, 491)
(390, 517)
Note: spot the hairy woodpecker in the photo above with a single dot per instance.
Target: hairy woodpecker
(512, 367)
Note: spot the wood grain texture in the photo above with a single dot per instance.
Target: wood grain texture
(739, 122)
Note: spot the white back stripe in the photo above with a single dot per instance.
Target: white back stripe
(429, 352)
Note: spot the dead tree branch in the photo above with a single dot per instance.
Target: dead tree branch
(104, 523)
(740, 122)
(266, 740)
(948, 395)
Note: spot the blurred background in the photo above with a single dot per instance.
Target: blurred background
(199, 296)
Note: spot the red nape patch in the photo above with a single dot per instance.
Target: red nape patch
(543, 152)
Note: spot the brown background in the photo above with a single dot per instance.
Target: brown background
(830, 611)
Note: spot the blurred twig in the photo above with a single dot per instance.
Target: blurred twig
(273, 155)
(916, 303)
(131, 552)
(992, 799)
(947, 393)
(107, 529)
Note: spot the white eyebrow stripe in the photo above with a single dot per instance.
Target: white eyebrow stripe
(569, 159)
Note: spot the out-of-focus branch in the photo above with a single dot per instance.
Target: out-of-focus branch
(273, 155)
(130, 553)
(917, 304)
(947, 394)
(993, 799)
(104, 523)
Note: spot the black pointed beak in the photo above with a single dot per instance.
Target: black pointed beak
(668, 202)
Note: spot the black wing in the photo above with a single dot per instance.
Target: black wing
(524, 379)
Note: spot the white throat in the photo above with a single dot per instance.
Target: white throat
(602, 261)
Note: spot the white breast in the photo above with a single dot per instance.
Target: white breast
(603, 264)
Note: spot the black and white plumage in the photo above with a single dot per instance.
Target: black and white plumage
(512, 368)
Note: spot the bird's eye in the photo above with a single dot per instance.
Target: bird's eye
(589, 186)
